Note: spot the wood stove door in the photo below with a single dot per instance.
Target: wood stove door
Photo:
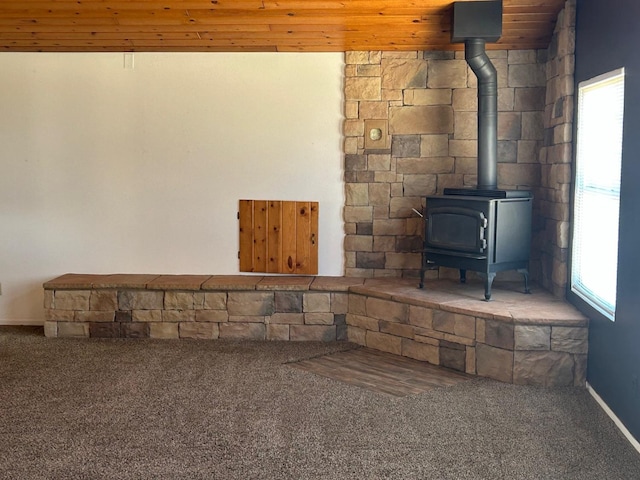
(456, 229)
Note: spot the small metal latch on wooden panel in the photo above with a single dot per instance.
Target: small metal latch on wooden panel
(278, 236)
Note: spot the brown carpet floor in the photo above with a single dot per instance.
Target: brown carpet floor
(143, 409)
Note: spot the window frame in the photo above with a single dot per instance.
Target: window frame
(590, 306)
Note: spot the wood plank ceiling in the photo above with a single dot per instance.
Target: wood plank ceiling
(255, 25)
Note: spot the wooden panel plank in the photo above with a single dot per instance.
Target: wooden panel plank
(347, 374)
(118, 5)
(274, 237)
(101, 36)
(245, 220)
(282, 19)
(315, 239)
(316, 43)
(163, 48)
(280, 35)
(33, 24)
(126, 30)
(382, 372)
(289, 244)
(375, 374)
(338, 47)
(260, 225)
(303, 237)
(406, 366)
(256, 12)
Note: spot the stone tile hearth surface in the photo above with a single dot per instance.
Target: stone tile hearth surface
(508, 302)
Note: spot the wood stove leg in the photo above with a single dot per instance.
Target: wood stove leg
(525, 274)
(463, 276)
(488, 281)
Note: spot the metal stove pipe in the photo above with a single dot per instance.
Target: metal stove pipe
(476, 57)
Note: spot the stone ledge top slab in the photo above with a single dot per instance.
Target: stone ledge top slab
(232, 282)
(81, 281)
(76, 281)
(71, 281)
(284, 283)
(554, 313)
(386, 288)
(125, 280)
(178, 282)
(336, 284)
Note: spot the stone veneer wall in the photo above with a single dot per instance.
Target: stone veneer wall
(428, 101)
(556, 155)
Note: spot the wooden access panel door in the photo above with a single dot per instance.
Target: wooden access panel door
(278, 236)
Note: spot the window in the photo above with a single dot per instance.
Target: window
(594, 257)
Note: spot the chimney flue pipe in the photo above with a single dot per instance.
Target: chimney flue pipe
(476, 57)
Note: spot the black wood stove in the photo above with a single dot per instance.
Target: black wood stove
(482, 229)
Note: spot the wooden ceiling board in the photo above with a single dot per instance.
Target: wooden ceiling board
(254, 25)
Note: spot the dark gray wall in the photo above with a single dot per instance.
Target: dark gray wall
(608, 37)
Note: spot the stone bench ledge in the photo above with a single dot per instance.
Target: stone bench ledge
(515, 338)
(75, 281)
(509, 305)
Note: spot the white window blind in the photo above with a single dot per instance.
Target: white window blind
(594, 260)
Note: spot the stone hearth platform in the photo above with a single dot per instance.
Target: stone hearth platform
(515, 338)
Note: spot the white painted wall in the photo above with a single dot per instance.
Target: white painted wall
(109, 169)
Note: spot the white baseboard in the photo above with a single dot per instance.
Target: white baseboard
(22, 322)
(613, 417)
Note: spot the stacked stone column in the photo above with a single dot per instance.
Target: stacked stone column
(556, 156)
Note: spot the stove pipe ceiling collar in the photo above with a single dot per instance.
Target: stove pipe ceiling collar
(476, 23)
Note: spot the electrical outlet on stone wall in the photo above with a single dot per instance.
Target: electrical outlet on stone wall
(376, 134)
